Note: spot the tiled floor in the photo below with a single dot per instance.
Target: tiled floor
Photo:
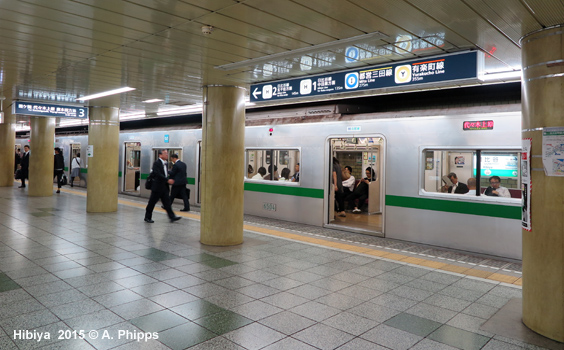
(110, 281)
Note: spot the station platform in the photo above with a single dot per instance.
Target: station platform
(112, 281)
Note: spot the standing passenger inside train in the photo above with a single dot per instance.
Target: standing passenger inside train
(361, 191)
(177, 178)
(338, 187)
(159, 188)
(457, 186)
(260, 174)
(495, 189)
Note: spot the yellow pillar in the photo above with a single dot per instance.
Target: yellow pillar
(543, 247)
(41, 158)
(223, 152)
(103, 162)
(7, 155)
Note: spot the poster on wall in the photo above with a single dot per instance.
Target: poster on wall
(553, 151)
(526, 184)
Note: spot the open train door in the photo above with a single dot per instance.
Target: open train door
(363, 206)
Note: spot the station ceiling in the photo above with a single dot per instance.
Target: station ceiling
(59, 50)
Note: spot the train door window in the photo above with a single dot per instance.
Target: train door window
(359, 206)
(280, 165)
(472, 171)
(132, 167)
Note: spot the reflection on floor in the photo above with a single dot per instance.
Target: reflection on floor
(364, 221)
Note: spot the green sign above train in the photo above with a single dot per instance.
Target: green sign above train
(428, 70)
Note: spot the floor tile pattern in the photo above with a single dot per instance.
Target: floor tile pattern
(110, 272)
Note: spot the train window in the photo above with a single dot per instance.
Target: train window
(281, 165)
(477, 173)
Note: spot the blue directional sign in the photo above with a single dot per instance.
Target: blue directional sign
(421, 71)
(47, 110)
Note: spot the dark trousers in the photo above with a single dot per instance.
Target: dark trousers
(59, 175)
(361, 196)
(340, 198)
(165, 200)
(23, 181)
(180, 190)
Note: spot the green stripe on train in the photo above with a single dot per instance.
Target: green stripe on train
(287, 190)
(190, 180)
(482, 209)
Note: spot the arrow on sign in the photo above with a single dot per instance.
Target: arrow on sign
(256, 92)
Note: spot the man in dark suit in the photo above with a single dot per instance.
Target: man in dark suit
(177, 178)
(24, 165)
(457, 186)
(160, 189)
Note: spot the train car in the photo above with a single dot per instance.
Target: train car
(411, 153)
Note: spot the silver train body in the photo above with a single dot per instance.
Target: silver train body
(405, 209)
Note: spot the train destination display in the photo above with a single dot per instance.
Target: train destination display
(48, 110)
(428, 70)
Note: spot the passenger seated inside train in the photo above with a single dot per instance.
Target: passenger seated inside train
(271, 175)
(495, 189)
(348, 181)
(260, 174)
(296, 176)
(457, 186)
(361, 191)
(471, 187)
(285, 175)
(250, 171)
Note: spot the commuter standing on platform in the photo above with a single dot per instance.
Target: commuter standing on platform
(178, 181)
(160, 188)
(24, 165)
(17, 159)
(59, 167)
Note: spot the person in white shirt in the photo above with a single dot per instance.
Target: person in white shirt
(75, 169)
(495, 189)
(260, 174)
(471, 187)
(348, 184)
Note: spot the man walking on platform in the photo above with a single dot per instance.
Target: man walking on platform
(178, 181)
(159, 188)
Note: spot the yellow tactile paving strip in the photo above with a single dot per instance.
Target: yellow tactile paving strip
(463, 270)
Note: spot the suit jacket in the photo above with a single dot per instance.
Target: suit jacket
(178, 174)
(460, 189)
(159, 179)
(25, 165)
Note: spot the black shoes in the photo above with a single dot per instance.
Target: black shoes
(58, 191)
(184, 209)
(22, 186)
(176, 218)
(148, 220)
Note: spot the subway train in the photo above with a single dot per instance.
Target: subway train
(410, 152)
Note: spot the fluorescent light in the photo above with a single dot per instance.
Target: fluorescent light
(248, 104)
(511, 75)
(105, 93)
(132, 116)
(153, 100)
(172, 111)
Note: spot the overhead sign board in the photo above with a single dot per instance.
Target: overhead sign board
(429, 70)
(48, 110)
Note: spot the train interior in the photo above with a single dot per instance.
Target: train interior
(132, 168)
(362, 155)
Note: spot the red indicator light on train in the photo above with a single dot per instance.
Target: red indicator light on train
(271, 130)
